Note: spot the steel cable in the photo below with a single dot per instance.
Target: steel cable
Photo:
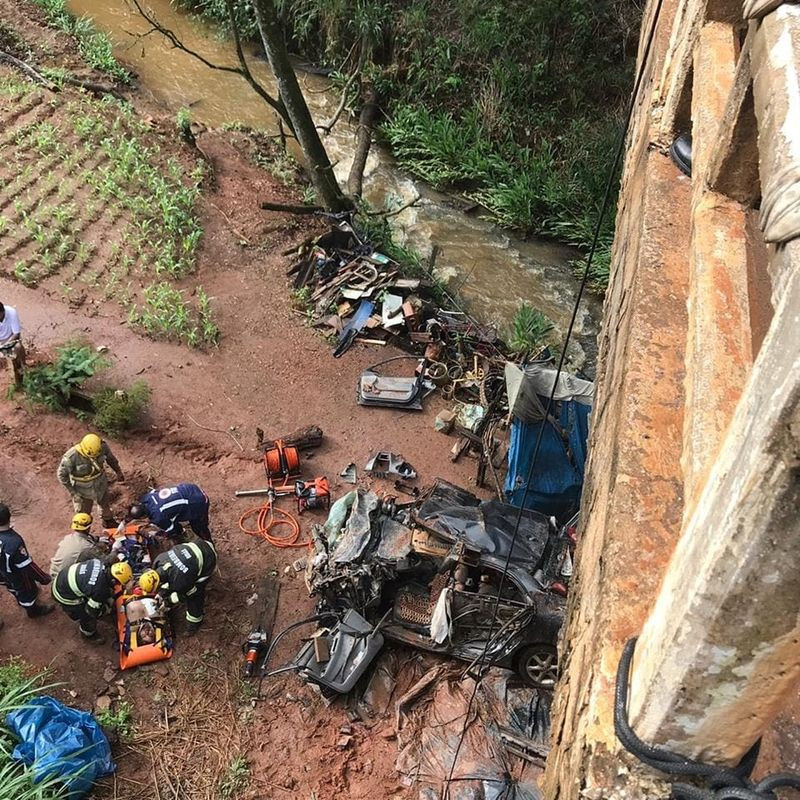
(550, 400)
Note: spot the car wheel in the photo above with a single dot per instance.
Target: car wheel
(537, 665)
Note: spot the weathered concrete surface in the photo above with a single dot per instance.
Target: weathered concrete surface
(733, 165)
(633, 497)
(721, 649)
(776, 89)
(674, 88)
(718, 351)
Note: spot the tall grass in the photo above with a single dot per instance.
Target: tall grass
(17, 688)
(93, 45)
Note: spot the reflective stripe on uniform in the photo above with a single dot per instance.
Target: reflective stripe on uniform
(174, 598)
(198, 554)
(73, 585)
(191, 618)
(172, 503)
(63, 600)
(24, 563)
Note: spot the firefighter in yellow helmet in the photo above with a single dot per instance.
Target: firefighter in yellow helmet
(77, 545)
(82, 473)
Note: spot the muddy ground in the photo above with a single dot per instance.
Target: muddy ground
(269, 370)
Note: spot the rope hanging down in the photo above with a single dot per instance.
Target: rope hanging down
(550, 400)
(724, 783)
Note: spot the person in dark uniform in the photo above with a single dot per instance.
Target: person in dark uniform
(84, 591)
(18, 571)
(167, 508)
(183, 572)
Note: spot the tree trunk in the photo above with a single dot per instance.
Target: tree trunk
(318, 164)
(366, 122)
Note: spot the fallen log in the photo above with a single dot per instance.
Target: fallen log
(288, 208)
(303, 438)
(28, 70)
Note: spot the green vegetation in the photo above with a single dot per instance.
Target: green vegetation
(17, 687)
(51, 385)
(94, 46)
(96, 201)
(516, 104)
(117, 410)
(166, 313)
(235, 779)
(119, 720)
(529, 331)
(183, 122)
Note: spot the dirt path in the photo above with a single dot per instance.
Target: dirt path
(269, 370)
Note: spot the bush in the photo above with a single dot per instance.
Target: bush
(52, 385)
(116, 410)
(529, 330)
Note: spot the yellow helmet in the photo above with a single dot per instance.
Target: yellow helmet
(82, 522)
(90, 446)
(122, 571)
(148, 581)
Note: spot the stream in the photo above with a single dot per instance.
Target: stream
(491, 270)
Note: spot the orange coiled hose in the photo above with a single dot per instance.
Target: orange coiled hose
(270, 519)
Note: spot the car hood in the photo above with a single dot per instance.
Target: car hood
(486, 526)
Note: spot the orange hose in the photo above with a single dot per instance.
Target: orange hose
(268, 519)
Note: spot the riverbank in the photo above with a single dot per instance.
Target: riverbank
(267, 370)
(492, 270)
(516, 105)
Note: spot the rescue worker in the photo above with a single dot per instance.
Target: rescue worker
(18, 571)
(82, 473)
(11, 341)
(167, 508)
(84, 591)
(148, 583)
(78, 545)
(183, 572)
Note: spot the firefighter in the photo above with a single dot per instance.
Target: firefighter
(84, 591)
(167, 508)
(82, 473)
(183, 572)
(77, 545)
(18, 571)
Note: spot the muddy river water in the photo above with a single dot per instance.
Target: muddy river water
(493, 271)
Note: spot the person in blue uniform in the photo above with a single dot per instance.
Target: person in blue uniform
(167, 508)
(19, 573)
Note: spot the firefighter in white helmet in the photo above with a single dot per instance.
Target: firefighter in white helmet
(82, 473)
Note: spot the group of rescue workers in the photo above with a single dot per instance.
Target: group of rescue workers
(86, 571)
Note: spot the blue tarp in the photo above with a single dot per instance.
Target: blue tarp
(557, 479)
(58, 741)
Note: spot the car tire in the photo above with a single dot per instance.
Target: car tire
(537, 665)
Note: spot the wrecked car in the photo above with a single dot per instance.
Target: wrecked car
(429, 574)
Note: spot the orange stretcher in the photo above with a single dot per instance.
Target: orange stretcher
(143, 640)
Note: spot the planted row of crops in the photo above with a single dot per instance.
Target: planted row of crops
(92, 204)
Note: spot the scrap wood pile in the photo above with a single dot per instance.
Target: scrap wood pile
(360, 294)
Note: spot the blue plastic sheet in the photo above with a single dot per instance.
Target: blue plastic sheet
(61, 742)
(557, 477)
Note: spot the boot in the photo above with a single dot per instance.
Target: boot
(40, 611)
(93, 638)
(192, 628)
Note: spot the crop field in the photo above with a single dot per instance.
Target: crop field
(91, 207)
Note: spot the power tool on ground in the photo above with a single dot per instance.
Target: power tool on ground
(254, 650)
(315, 493)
